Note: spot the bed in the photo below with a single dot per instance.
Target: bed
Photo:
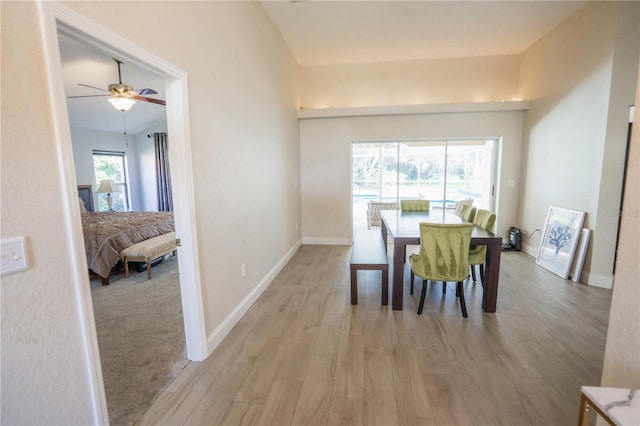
(106, 234)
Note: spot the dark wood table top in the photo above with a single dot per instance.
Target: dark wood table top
(406, 225)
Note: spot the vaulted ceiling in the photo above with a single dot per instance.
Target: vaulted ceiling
(336, 32)
(322, 32)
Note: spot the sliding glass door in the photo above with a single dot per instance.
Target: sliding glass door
(442, 171)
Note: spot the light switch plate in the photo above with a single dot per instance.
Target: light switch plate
(13, 256)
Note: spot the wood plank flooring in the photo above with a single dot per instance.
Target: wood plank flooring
(303, 355)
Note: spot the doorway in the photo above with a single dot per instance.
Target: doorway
(115, 149)
(632, 112)
(57, 18)
(441, 171)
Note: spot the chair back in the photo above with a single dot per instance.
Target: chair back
(485, 219)
(444, 252)
(460, 203)
(414, 205)
(373, 212)
(468, 213)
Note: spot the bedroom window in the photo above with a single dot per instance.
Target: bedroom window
(112, 165)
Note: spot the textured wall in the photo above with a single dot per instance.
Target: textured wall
(435, 81)
(326, 161)
(45, 378)
(575, 131)
(244, 132)
(621, 366)
(244, 140)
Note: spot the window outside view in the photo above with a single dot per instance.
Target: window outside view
(443, 172)
(111, 165)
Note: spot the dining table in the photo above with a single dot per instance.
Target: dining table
(404, 229)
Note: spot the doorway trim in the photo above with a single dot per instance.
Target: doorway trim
(52, 17)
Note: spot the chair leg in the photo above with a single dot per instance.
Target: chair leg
(473, 273)
(463, 305)
(412, 277)
(482, 274)
(444, 287)
(422, 296)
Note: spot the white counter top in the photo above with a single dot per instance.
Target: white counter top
(621, 405)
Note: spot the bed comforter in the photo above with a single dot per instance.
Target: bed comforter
(108, 233)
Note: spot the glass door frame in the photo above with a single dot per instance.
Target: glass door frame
(494, 148)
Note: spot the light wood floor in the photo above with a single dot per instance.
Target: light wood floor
(303, 355)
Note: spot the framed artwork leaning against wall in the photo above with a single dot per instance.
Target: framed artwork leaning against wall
(559, 240)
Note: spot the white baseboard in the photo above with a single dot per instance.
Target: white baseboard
(597, 280)
(587, 278)
(214, 339)
(530, 250)
(327, 241)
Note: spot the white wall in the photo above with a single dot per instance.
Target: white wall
(146, 179)
(435, 81)
(85, 141)
(244, 139)
(43, 365)
(140, 157)
(243, 98)
(624, 68)
(621, 367)
(580, 79)
(326, 161)
(461, 85)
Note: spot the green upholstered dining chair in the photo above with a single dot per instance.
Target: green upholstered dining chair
(414, 205)
(468, 213)
(484, 219)
(444, 256)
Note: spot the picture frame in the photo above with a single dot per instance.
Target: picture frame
(559, 240)
(580, 256)
(85, 192)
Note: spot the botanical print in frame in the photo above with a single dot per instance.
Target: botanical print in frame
(559, 240)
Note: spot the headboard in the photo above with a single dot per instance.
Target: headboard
(86, 194)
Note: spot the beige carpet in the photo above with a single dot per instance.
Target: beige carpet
(141, 338)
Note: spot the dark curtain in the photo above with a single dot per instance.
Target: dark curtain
(163, 173)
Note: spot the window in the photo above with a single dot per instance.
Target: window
(442, 171)
(112, 165)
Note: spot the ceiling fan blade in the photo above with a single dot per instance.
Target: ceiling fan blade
(93, 87)
(153, 101)
(146, 91)
(86, 96)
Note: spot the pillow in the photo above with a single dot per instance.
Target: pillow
(83, 209)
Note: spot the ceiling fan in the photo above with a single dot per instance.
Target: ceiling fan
(122, 96)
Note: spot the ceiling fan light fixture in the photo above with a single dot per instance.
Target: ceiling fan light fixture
(121, 90)
(121, 104)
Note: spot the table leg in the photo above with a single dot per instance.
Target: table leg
(385, 286)
(398, 274)
(354, 286)
(583, 417)
(492, 274)
(384, 233)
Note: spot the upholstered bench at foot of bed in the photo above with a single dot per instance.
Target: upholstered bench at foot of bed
(147, 250)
